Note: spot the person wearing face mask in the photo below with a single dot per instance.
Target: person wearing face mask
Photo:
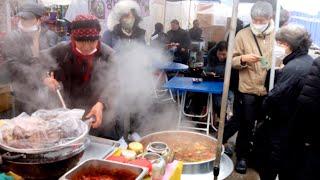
(81, 70)
(21, 50)
(123, 24)
(252, 57)
(281, 101)
(279, 52)
(30, 28)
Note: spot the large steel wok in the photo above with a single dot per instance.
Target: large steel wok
(44, 163)
(203, 166)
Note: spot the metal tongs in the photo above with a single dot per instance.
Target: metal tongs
(61, 98)
(59, 93)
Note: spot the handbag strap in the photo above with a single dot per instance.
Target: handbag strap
(255, 39)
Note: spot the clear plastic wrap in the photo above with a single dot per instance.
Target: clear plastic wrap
(43, 129)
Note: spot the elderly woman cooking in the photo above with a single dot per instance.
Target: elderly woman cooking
(81, 67)
(280, 103)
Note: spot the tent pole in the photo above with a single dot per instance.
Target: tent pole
(189, 14)
(227, 75)
(164, 13)
(273, 62)
(8, 16)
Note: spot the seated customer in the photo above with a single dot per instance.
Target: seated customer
(217, 59)
(215, 69)
(195, 32)
(179, 38)
(159, 38)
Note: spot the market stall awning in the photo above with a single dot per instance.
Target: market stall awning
(194, 0)
(55, 2)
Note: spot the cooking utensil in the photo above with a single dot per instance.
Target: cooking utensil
(61, 98)
(43, 166)
(100, 166)
(49, 74)
(204, 166)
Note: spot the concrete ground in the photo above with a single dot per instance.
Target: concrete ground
(250, 175)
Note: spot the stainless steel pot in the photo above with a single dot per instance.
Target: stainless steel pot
(43, 166)
(45, 163)
(188, 167)
(79, 140)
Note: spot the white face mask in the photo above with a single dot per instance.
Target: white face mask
(259, 27)
(29, 29)
(128, 23)
(280, 52)
(87, 54)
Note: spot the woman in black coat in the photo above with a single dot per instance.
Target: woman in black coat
(304, 138)
(281, 101)
(82, 67)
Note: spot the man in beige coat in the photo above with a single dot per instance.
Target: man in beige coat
(252, 56)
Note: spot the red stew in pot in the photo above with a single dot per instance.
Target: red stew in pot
(120, 174)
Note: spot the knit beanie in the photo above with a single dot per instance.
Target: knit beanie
(85, 27)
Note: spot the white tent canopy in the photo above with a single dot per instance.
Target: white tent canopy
(55, 2)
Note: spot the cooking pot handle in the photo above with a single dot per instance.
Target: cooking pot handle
(90, 120)
(7, 156)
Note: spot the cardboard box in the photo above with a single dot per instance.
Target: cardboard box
(5, 98)
(214, 33)
(205, 20)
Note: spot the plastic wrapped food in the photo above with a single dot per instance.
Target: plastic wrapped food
(43, 129)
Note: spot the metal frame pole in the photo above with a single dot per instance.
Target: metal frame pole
(227, 75)
(189, 14)
(273, 63)
(8, 15)
(164, 14)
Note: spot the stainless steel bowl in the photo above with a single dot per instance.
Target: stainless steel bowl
(95, 165)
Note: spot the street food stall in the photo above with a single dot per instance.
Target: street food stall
(52, 144)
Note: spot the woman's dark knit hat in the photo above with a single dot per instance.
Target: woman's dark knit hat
(85, 27)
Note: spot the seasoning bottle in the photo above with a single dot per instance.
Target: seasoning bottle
(158, 165)
(162, 149)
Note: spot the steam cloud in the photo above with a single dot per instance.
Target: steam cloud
(132, 82)
(129, 84)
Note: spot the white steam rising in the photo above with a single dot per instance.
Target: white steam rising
(133, 73)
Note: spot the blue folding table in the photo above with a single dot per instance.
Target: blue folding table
(169, 67)
(184, 85)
